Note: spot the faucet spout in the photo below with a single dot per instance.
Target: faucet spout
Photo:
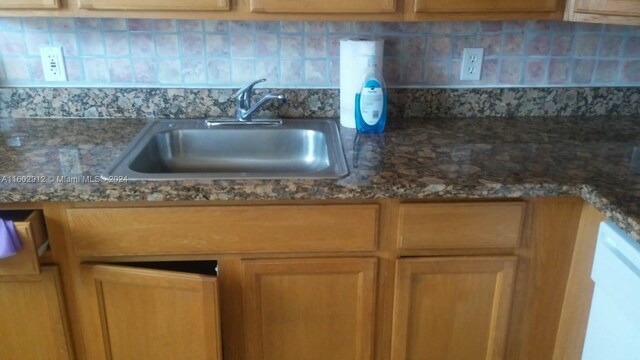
(281, 99)
(244, 110)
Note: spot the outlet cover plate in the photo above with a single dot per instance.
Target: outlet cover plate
(471, 67)
(53, 63)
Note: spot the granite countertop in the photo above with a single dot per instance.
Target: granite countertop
(597, 158)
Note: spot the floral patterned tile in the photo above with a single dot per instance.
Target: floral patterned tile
(204, 52)
(120, 70)
(606, 71)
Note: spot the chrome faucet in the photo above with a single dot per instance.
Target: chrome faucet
(244, 110)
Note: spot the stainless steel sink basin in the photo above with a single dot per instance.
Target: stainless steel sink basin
(197, 149)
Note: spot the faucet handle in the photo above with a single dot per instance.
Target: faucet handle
(243, 96)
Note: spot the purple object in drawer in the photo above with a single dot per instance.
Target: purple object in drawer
(9, 241)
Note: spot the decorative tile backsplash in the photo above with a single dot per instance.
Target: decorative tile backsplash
(194, 53)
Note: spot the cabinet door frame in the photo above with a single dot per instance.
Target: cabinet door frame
(93, 275)
(364, 268)
(503, 266)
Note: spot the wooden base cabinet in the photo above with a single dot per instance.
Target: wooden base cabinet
(387, 279)
(312, 309)
(141, 313)
(452, 307)
(33, 324)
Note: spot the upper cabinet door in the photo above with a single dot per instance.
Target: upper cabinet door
(151, 314)
(484, 9)
(312, 309)
(452, 308)
(604, 11)
(155, 5)
(29, 4)
(326, 6)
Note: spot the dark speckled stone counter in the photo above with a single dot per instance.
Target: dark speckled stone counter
(597, 158)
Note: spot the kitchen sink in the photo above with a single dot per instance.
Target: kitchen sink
(229, 149)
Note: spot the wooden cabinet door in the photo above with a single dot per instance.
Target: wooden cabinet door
(484, 9)
(326, 6)
(452, 307)
(609, 7)
(155, 5)
(29, 4)
(33, 324)
(309, 308)
(152, 314)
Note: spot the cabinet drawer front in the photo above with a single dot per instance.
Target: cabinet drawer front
(327, 6)
(154, 5)
(223, 229)
(461, 225)
(31, 231)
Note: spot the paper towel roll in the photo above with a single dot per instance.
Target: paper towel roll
(354, 58)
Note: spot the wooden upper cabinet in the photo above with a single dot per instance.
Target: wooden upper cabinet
(155, 5)
(312, 309)
(29, 4)
(625, 12)
(33, 323)
(326, 6)
(140, 313)
(484, 9)
(452, 308)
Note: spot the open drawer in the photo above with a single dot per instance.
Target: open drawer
(32, 232)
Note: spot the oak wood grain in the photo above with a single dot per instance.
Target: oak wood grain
(577, 298)
(543, 270)
(323, 7)
(461, 225)
(155, 5)
(313, 309)
(153, 314)
(33, 323)
(29, 4)
(223, 229)
(452, 307)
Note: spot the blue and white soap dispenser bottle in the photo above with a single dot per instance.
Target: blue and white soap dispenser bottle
(371, 101)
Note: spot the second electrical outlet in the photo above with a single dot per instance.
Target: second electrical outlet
(471, 67)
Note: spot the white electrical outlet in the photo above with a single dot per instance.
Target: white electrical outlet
(53, 63)
(471, 67)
